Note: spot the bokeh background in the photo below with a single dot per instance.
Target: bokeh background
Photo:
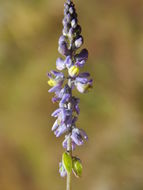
(111, 114)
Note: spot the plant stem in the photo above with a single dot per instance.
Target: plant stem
(69, 149)
(68, 181)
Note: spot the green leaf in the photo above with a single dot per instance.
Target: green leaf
(67, 162)
(77, 167)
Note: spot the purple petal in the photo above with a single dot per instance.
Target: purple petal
(83, 55)
(77, 109)
(63, 49)
(56, 112)
(80, 87)
(55, 88)
(74, 120)
(64, 114)
(80, 63)
(65, 98)
(82, 80)
(69, 121)
(62, 39)
(60, 64)
(84, 75)
(68, 61)
(79, 42)
(49, 75)
(61, 130)
(55, 125)
(55, 99)
(76, 137)
(83, 134)
(57, 74)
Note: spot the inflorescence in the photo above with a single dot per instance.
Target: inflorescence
(63, 84)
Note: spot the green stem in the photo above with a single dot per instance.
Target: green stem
(69, 149)
(68, 181)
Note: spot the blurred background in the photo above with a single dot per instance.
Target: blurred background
(111, 114)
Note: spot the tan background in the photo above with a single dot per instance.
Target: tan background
(111, 114)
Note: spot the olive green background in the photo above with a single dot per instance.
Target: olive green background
(111, 113)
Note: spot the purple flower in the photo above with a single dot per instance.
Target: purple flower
(78, 135)
(60, 64)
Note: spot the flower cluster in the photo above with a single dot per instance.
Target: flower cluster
(62, 85)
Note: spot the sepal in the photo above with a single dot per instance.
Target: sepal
(67, 162)
(77, 167)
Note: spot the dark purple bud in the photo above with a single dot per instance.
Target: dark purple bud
(78, 30)
(74, 120)
(69, 121)
(83, 55)
(77, 109)
(49, 75)
(68, 17)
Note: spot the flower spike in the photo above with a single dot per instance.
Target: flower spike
(67, 114)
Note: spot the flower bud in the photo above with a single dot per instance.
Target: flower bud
(63, 49)
(79, 42)
(74, 23)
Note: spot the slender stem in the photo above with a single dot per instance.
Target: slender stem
(69, 143)
(68, 181)
(69, 149)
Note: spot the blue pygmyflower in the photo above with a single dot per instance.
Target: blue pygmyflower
(62, 85)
